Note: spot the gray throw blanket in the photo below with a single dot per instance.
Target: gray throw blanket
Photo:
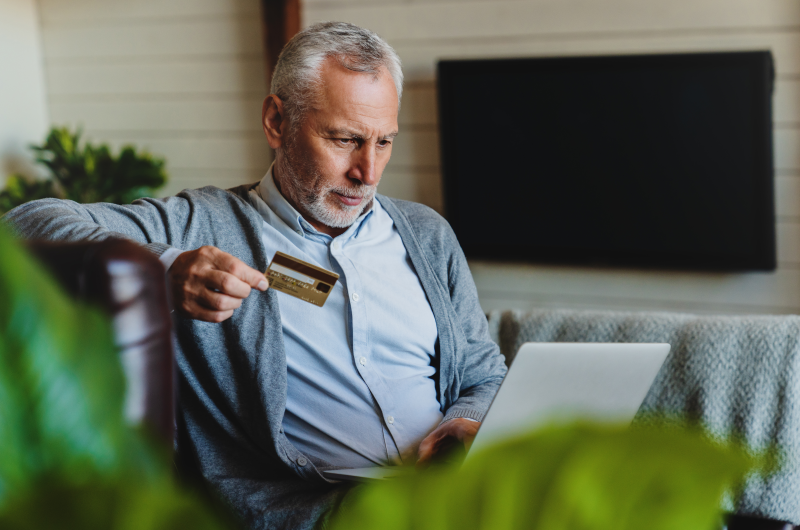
(733, 375)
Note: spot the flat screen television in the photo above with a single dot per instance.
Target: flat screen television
(660, 161)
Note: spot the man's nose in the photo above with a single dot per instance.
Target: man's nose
(364, 166)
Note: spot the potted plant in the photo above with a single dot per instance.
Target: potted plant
(85, 173)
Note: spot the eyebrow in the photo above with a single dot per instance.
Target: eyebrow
(344, 133)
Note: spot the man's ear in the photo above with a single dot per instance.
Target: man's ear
(273, 118)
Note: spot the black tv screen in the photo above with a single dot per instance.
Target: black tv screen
(658, 161)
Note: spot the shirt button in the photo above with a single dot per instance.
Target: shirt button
(363, 361)
(336, 245)
(302, 461)
(390, 419)
(355, 297)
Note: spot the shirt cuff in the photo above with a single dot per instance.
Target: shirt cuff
(169, 256)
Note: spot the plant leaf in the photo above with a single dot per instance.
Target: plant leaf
(577, 477)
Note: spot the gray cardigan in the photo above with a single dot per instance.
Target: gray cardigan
(232, 376)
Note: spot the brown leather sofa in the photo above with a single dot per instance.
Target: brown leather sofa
(129, 284)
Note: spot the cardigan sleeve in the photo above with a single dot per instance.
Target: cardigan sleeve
(153, 223)
(482, 367)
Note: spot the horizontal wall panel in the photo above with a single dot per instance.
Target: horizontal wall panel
(786, 102)
(419, 106)
(787, 196)
(491, 301)
(202, 75)
(216, 153)
(197, 178)
(512, 18)
(209, 37)
(415, 147)
(788, 239)
(787, 149)
(756, 289)
(339, 4)
(420, 58)
(418, 185)
(72, 11)
(232, 115)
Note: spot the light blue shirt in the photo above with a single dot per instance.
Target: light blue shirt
(360, 381)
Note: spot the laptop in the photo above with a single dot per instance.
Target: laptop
(556, 382)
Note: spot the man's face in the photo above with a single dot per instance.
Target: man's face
(330, 164)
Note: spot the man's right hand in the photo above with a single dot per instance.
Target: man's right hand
(208, 284)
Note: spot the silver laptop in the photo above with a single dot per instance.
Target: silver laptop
(557, 382)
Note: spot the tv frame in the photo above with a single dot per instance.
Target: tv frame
(762, 259)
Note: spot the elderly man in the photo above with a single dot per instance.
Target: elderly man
(397, 364)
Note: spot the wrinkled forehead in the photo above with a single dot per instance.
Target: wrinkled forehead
(359, 96)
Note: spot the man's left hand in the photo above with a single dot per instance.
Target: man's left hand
(447, 437)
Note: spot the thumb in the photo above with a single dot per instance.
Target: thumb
(252, 277)
(258, 280)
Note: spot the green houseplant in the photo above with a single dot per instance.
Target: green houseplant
(85, 173)
(567, 477)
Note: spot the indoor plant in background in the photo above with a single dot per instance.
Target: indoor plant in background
(85, 173)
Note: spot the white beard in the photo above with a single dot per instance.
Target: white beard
(305, 185)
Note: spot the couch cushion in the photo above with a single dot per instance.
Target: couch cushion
(735, 375)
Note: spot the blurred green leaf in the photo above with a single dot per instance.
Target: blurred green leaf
(67, 458)
(576, 477)
(100, 504)
(86, 173)
(60, 381)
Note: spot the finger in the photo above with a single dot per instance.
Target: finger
(199, 313)
(218, 301)
(235, 266)
(469, 437)
(425, 452)
(423, 461)
(190, 307)
(226, 283)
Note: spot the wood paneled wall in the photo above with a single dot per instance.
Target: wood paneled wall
(424, 31)
(23, 101)
(183, 78)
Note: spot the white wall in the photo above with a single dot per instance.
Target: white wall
(23, 108)
(182, 78)
(424, 31)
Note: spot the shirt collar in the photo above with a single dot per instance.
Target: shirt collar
(272, 196)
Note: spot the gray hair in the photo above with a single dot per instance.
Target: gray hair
(297, 75)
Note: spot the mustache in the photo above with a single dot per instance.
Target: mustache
(361, 192)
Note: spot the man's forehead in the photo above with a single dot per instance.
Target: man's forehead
(372, 93)
(355, 104)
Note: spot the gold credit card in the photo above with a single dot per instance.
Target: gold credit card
(300, 279)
